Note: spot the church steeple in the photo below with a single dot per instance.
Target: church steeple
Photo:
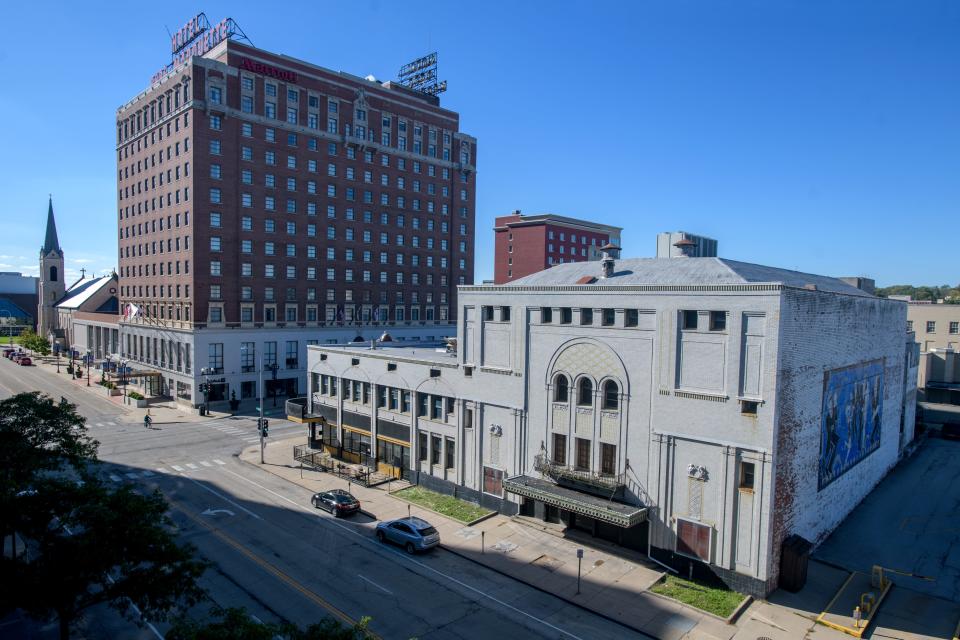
(51, 242)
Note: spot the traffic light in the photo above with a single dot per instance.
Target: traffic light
(266, 427)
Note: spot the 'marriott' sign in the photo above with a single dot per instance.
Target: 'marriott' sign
(267, 70)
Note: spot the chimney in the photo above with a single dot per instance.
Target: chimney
(686, 247)
(609, 252)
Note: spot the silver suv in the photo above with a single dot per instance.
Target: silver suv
(413, 534)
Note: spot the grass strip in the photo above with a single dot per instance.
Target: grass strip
(719, 601)
(443, 504)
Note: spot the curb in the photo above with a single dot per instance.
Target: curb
(551, 593)
(495, 570)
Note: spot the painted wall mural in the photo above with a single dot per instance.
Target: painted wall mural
(851, 418)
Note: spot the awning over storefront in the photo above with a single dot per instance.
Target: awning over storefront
(615, 513)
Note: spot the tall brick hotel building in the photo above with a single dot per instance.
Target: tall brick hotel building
(265, 203)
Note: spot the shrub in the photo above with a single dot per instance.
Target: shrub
(133, 395)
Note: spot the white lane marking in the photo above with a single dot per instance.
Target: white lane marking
(219, 461)
(99, 424)
(177, 469)
(251, 439)
(192, 466)
(161, 470)
(369, 581)
(205, 463)
(221, 496)
(115, 477)
(112, 424)
(147, 473)
(132, 476)
(233, 431)
(407, 558)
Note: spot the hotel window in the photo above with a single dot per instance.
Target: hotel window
(215, 196)
(215, 147)
(246, 246)
(246, 153)
(246, 269)
(214, 292)
(931, 326)
(215, 171)
(566, 315)
(436, 446)
(246, 223)
(609, 317)
(954, 327)
(214, 243)
(246, 105)
(689, 320)
(586, 316)
(631, 318)
(215, 268)
(216, 123)
(247, 83)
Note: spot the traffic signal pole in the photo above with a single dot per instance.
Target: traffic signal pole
(260, 421)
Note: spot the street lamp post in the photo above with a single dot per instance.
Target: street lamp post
(273, 371)
(89, 362)
(123, 378)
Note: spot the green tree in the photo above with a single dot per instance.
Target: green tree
(37, 437)
(34, 342)
(237, 624)
(90, 544)
(85, 543)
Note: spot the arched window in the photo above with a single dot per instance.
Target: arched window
(585, 393)
(53, 274)
(611, 395)
(561, 389)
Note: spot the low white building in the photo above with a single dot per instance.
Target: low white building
(698, 409)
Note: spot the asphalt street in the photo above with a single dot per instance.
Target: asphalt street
(283, 560)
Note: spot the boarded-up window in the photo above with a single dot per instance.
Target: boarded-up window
(693, 539)
(493, 481)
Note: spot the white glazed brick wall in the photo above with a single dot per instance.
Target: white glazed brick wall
(820, 332)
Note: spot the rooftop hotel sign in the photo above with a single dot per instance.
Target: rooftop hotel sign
(197, 37)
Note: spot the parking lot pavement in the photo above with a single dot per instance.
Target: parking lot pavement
(910, 523)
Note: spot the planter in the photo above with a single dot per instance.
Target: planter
(110, 392)
(141, 404)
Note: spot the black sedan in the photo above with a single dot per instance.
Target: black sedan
(337, 501)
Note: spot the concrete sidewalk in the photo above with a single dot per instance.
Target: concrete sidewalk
(165, 412)
(611, 586)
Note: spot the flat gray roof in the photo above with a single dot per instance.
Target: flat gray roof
(427, 352)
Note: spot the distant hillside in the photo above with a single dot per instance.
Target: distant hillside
(950, 295)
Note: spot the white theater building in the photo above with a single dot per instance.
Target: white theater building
(698, 409)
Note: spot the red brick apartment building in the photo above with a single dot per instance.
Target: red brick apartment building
(527, 244)
(265, 203)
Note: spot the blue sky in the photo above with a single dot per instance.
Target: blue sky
(818, 136)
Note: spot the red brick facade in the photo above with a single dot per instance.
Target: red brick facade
(528, 244)
(244, 171)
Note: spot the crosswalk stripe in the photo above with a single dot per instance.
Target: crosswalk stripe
(176, 468)
(115, 477)
(251, 440)
(161, 470)
(219, 461)
(147, 473)
(205, 463)
(112, 424)
(192, 466)
(99, 424)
